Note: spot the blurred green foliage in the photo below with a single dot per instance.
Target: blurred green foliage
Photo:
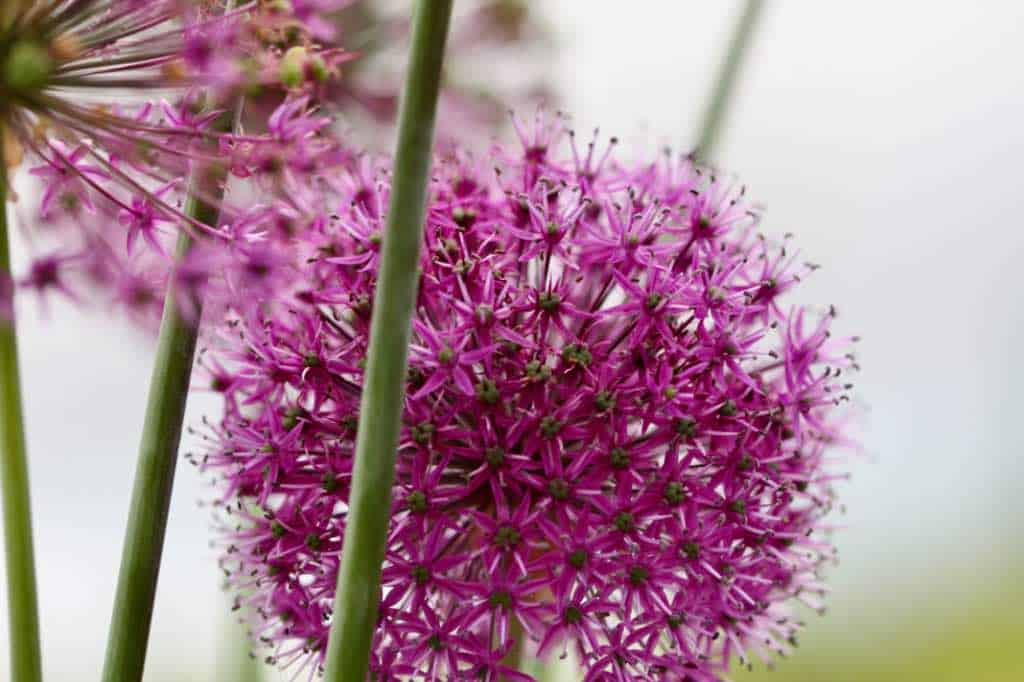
(972, 639)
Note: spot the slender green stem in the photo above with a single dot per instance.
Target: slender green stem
(516, 657)
(158, 455)
(23, 611)
(355, 604)
(725, 84)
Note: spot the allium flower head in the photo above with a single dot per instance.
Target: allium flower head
(119, 101)
(616, 430)
(83, 68)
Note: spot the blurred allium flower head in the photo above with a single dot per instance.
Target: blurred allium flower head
(118, 101)
(617, 438)
(508, 35)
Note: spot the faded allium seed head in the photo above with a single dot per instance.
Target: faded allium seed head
(616, 425)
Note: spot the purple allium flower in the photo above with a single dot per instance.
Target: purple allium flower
(617, 434)
(116, 101)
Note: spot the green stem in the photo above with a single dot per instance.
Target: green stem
(725, 85)
(158, 455)
(23, 611)
(516, 657)
(358, 591)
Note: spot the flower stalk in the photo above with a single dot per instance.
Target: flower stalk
(725, 83)
(22, 603)
(359, 574)
(158, 453)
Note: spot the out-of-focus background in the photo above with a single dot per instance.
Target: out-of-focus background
(887, 137)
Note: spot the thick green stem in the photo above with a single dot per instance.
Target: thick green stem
(158, 455)
(22, 608)
(725, 84)
(358, 592)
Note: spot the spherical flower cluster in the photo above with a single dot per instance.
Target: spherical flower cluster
(119, 101)
(616, 431)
